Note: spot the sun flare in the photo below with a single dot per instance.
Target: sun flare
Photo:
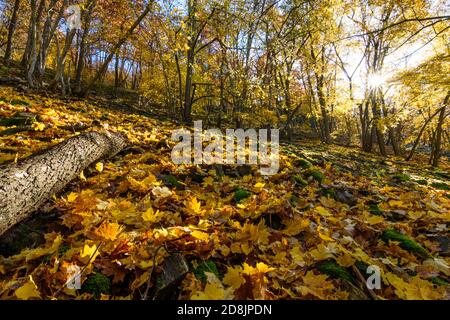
(376, 80)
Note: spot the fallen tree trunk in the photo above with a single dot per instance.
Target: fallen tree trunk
(28, 184)
(11, 81)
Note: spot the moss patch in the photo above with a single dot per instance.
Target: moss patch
(299, 181)
(405, 243)
(316, 174)
(97, 284)
(171, 181)
(241, 194)
(331, 268)
(375, 210)
(303, 163)
(441, 185)
(401, 177)
(422, 182)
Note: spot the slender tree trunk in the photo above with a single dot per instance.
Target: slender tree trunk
(116, 69)
(377, 122)
(47, 36)
(59, 74)
(188, 86)
(26, 185)
(83, 45)
(35, 35)
(11, 29)
(394, 141)
(438, 141)
(416, 142)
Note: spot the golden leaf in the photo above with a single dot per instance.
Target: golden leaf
(99, 166)
(233, 277)
(317, 285)
(89, 253)
(72, 197)
(214, 290)
(151, 216)
(200, 235)
(109, 231)
(28, 290)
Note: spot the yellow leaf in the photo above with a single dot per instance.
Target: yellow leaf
(99, 166)
(109, 231)
(323, 252)
(193, 207)
(200, 235)
(415, 289)
(317, 285)
(89, 253)
(233, 277)
(260, 268)
(28, 290)
(322, 211)
(259, 185)
(295, 226)
(72, 197)
(374, 219)
(214, 290)
(82, 177)
(38, 126)
(151, 216)
(298, 256)
(208, 181)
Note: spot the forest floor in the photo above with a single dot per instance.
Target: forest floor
(308, 232)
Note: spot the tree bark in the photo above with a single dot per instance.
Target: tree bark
(25, 186)
(437, 150)
(11, 29)
(59, 74)
(416, 142)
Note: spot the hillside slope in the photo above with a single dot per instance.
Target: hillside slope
(308, 232)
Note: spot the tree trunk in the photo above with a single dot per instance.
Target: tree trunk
(116, 69)
(377, 123)
(437, 149)
(48, 33)
(59, 74)
(11, 29)
(394, 142)
(25, 186)
(416, 142)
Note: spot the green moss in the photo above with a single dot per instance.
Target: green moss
(422, 182)
(171, 181)
(63, 249)
(373, 209)
(439, 281)
(441, 185)
(205, 266)
(299, 181)
(329, 192)
(303, 163)
(406, 243)
(241, 194)
(402, 177)
(97, 284)
(441, 174)
(316, 174)
(18, 102)
(331, 268)
(362, 267)
(294, 199)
